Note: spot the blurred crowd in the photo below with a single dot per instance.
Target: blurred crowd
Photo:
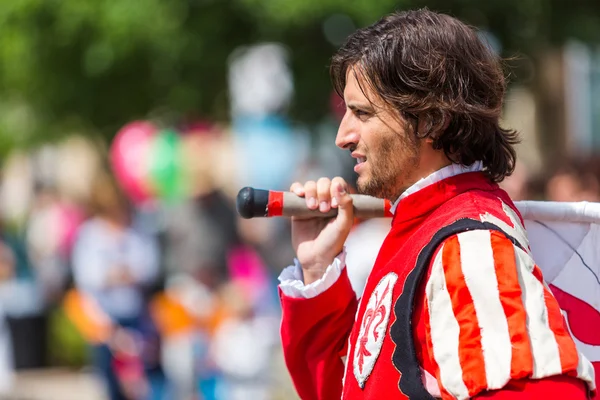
(164, 300)
(175, 299)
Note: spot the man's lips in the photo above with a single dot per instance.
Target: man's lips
(360, 161)
(360, 158)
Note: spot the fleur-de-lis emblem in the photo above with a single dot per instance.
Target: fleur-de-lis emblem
(370, 315)
(372, 328)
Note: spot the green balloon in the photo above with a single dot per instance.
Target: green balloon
(166, 169)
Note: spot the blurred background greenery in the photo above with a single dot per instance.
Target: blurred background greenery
(91, 66)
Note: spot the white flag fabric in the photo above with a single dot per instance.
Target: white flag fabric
(565, 242)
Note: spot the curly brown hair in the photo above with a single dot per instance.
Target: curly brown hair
(434, 67)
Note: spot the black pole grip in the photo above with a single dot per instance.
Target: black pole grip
(251, 203)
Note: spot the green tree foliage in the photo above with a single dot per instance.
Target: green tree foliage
(91, 66)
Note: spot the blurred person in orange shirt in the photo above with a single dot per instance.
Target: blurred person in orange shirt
(187, 313)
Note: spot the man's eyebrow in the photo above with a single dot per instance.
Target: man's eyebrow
(356, 106)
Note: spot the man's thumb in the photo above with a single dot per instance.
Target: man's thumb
(345, 205)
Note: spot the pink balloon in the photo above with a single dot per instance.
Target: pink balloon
(129, 158)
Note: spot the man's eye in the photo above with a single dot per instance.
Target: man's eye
(361, 113)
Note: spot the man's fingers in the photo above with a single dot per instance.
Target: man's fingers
(310, 194)
(343, 200)
(339, 191)
(297, 188)
(318, 195)
(324, 194)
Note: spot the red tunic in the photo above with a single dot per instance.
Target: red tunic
(454, 307)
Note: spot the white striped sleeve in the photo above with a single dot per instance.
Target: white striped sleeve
(492, 318)
(478, 268)
(444, 331)
(546, 356)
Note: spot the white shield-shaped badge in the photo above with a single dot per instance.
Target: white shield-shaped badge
(373, 327)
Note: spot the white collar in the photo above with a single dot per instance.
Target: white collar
(439, 175)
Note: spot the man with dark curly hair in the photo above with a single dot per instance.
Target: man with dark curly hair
(455, 306)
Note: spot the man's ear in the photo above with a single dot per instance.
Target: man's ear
(432, 122)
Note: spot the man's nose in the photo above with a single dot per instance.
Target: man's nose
(347, 134)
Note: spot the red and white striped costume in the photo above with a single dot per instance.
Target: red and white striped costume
(481, 318)
(455, 307)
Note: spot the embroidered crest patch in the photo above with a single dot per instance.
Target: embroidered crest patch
(372, 328)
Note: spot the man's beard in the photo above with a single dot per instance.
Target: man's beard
(373, 186)
(389, 170)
